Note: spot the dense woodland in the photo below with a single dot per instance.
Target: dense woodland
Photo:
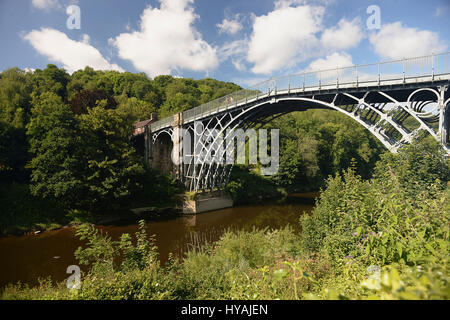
(65, 156)
(65, 141)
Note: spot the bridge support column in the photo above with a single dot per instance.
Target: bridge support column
(177, 152)
(148, 147)
(444, 120)
(211, 201)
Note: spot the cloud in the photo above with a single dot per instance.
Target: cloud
(234, 48)
(237, 51)
(248, 82)
(45, 4)
(167, 41)
(332, 61)
(346, 35)
(335, 66)
(395, 41)
(74, 55)
(231, 27)
(284, 37)
(278, 4)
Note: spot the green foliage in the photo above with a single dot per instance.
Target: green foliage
(15, 97)
(111, 166)
(87, 99)
(55, 144)
(13, 153)
(363, 218)
(135, 277)
(183, 94)
(417, 167)
(22, 212)
(101, 252)
(319, 143)
(15, 106)
(51, 79)
(68, 136)
(247, 186)
(429, 282)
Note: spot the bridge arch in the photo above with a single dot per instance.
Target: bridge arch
(245, 118)
(394, 106)
(380, 119)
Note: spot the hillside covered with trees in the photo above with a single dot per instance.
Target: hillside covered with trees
(65, 145)
(65, 141)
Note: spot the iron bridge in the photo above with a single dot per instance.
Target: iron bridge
(394, 100)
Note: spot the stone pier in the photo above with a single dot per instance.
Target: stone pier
(207, 202)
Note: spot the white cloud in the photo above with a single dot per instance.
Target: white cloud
(45, 4)
(231, 26)
(346, 35)
(85, 39)
(239, 64)
(233, 49)
(237, 51)
(284, 37)
(248, 82)
(74, 55)
(332, 61)
(278, 4)
(167, 41)
(395, 41)
(335, 66)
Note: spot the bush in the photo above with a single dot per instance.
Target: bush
(356, 228)
(247, 186)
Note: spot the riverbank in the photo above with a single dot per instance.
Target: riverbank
(26, 258)
(22, 213)
(328, 259)
(29, 225)
(29, 214)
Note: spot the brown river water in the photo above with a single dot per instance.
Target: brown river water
(30, 257)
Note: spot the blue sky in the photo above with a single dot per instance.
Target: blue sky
(234, 40)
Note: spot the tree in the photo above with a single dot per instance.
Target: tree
(319, 143)
(15, 98)
(111, 166)
(15, 106)
(55, 144)
(51, 79)
(86, 99)
(417, 166)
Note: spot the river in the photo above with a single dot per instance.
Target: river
(30, 257)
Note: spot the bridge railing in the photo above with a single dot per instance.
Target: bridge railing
(161, 124)
(431, 67)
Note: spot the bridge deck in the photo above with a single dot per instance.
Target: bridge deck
(395, 75)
